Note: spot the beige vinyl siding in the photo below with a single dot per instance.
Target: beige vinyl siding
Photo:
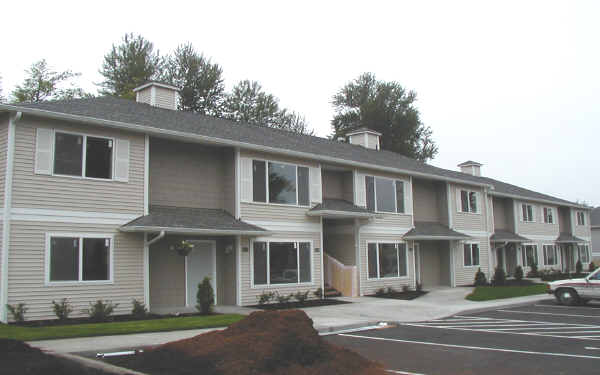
(467, 221)
(164, 98)
(333, 184)
(502, 214)
(396, 222)
(143, 96)
(249, 293)
(368, 287)
(1, 249)
(264, 212)
(538, 227)
(32, 190)
(435, 263)
(584, 231)
(3, 152)
(429, 201)
(26, 276)
(490, 214)
(167, 276)
(466, 275)
(190, 175)
(338, 238)
(275, 157)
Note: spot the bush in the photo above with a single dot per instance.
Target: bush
(301, 297)
(391, 290)
(480, 279)
(591, 267)
(405, 289)
(380, 292)
(283, 299)
(318, 293)
(18, 312)
(578, 267)
(100, 311)
(62, 309)
(499, 278)
(519, 273)
(205, 297)
(139, 309)
(265, 297)
(534, 270)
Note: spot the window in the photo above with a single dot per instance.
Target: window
(527, 212)
(580, 218)
(548, 215)
(550, 255)
(386, 260)
(530, 256)
(384, 194)
(468, 201)
(79, 259)
(280, 183)
(471, 254)
(281, 262)
(584, 253)
(82, 155)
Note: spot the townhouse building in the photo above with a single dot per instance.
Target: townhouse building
(100, 193)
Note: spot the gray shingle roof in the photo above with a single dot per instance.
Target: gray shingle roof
(343, 207)
(427, 230)
(190, 220)
(507, 236)
(513, 190)
(595, 217)
(568, 238)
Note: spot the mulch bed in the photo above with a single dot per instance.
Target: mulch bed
(114, 318)
(266, 342)
(298, 305)
(409, 295)
(17, 357)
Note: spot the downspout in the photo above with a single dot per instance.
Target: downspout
(322, 270)
(10, 156)
(156, 239)
(487, 228)
(147, 265)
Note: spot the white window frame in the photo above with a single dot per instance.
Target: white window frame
(556, 256)
(394, 180)
(469, 211)
(81, 237)
(268, 283)
(532, 219)
(578, 215)
(587, 250)
(84, 155)
(396, 243)
(524, 254)
(551, 211)
(470, 244)
(267, 161)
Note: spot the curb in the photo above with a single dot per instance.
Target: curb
(328, 330)
(507, 305)
(98, 365)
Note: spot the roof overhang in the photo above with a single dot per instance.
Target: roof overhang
(332, 214)
(436, 238)
(554, 203)
(158, 84)
(193, 231)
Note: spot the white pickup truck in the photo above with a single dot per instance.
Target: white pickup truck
(575, 291)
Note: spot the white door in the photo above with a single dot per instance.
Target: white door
(200, 263)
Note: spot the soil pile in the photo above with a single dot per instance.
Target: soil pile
(266, 342)
(17, 357)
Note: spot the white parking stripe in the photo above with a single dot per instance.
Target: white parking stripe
(403, 372)
(553, 314)
(474, 347)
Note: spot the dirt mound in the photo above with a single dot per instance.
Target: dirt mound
(266, 342)
(17, 357)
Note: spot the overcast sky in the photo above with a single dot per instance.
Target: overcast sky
(513, 85)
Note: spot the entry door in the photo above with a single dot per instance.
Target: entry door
(500, 258)
(200, 263)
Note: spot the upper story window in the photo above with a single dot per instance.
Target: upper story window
(384, 194)
(471, 254)
(550, 255)
(530, 256)
(527, 210)
(387, 260)
(82, 155)
(79, 258)
(580, 218)
(548, 215)
(280, 183)
(469, 201)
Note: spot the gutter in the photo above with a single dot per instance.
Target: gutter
(554, 203)
(342, 213)
(214, 232)
(164, 133)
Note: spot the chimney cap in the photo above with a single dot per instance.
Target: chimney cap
(469, 163)
(363, 130)
(156, 83)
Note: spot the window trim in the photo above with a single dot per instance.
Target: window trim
(524, 254)
(395, 212)
(532, 213)
(551, 210)
(459, 204)
(81, 237)
(267, 161)
(84, 156)
(471, 243)
(378, 278)
(556, 254)
(268, 240)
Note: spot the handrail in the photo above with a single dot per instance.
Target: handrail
(342, 277)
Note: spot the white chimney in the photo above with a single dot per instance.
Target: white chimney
(157, 94)
(365, 137)
(471, 167)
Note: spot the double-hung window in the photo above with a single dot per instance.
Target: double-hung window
(79, 258)
(468, 201)
(281, 262)
(550, 255)
(387, 260)
(527, 212)
(83, 156)
(584, 253)
(530, 256)
(384, 194)
(548, 215)
(280, 183)
(580, 218)
(471, 254)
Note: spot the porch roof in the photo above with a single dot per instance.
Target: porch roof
(568, 238)
(428, 230)
(501, 235)
(185, 220)
(339, 208)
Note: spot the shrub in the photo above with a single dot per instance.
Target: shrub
(283, 299)
(100, 311)
(405, 288)
(390, 290)
(62, 309)
(318, 293)
(301, 297)
(139, 309)
(18, 312)
(265, 297)
(380, 292)
(533, 270)
(480, 279)
(205, 297)
(578, 267)
(519, 273)
(499, 278)
(591, 267)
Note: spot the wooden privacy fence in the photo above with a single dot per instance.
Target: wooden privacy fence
(340, 276)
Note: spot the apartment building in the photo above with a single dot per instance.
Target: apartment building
(98, 193)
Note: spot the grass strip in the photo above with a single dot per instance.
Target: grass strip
(488, 293)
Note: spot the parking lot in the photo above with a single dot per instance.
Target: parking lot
(539, 338)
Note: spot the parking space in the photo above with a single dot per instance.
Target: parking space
(542, 337)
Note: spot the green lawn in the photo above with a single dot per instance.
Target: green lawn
(116, 328)
(487, 293)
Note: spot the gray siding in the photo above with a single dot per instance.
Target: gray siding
(564, 220)
(538, 227)
(582, 231)
(259, 212)
(426, 201)
(333, 184)
(467, 221)
(167, 276)
(502, 214)
(596, 240)
(165, 98)
(466, 275)
(348, 187)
